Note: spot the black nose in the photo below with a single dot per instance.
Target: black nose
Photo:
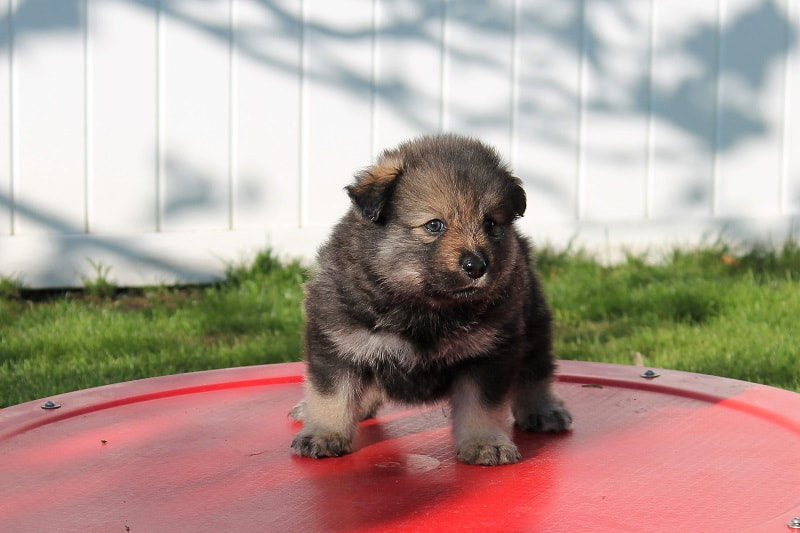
(473, 265)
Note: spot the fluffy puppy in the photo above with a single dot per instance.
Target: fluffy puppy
(425, 292)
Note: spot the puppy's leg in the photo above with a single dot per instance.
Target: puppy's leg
(536, 407)
(371, 400)
(329, 420)
(298, 412)
(479, 430)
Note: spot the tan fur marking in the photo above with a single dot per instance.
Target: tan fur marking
(383, 173)
(481, 434)
(404, 276)
(425, 199)
(462, 346)
(451, 249)
(361, 345)
(433, 197)
(331, 414)
(375, 176)
(371, 399)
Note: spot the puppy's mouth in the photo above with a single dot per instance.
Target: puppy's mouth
(466, 292)
(458, 293)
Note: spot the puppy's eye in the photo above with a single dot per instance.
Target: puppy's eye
(488, 225)
(434, 226)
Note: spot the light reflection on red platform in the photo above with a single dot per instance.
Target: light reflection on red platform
(209, 451)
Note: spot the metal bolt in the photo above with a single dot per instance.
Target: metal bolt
(50, 404)
(794, 523)
(650, 374)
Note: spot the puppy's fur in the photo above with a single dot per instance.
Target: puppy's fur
(425, 292)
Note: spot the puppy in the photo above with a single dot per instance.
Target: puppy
(425, 292)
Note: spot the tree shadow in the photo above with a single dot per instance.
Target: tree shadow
(69, 255)
(688, 104)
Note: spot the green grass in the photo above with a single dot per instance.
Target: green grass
(711, 310)
(83, 339)
(101, 285)
(707, 311)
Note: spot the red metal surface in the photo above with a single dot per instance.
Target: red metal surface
(210, 452)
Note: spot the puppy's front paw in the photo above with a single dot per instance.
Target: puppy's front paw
(549, 416)
(478, 452)
(308, 444)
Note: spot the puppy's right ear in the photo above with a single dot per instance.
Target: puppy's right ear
(373, 189)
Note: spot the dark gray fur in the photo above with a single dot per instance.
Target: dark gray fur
(392, 314)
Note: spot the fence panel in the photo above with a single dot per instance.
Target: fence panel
(479, 41)
(754, 39)
(123, 127)
(791, 112)
(683, 113)
(168, 138)
(547, 107)
(49, 129)
(266, 104)
(615, 103)
(6, 216)
(408, 70)
(337, 104)
(195, 107)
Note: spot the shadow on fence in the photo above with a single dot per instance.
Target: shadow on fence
(689, 105)
(69, 254)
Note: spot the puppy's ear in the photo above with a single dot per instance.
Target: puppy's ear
(373, 189)
(517, 198)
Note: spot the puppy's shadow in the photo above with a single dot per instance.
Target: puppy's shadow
(427, 431)
(401, 463)
(533, 445)
(407, 430)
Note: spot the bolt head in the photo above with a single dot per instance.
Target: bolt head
(794, 523)
(50, 404)
(650, 374)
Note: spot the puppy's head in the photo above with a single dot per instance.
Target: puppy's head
(442, 208)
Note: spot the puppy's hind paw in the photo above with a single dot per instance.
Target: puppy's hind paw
(476, 453)
(298, 412)
(308, 444)
(550, 418)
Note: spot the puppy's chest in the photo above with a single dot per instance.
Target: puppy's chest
(406, 349)
(418, 384)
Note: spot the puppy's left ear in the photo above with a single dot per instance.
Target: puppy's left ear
(373, 188)
(516, 196)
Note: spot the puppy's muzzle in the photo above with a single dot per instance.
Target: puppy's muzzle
(474, 265)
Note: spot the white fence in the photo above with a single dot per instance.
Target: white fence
(164, 138)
